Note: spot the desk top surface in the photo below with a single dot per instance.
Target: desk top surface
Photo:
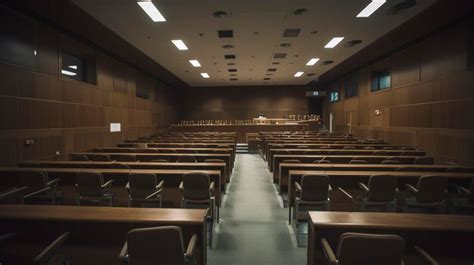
(101, 214)
(153, 154)
(114, 170)
(363, 166)
(399, 221)
(98, 163)
(370, 173)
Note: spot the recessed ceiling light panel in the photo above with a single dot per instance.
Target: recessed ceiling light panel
(205, 75)
(195, 63)
(334, 42)
(180, 45)
(151, 10)
(371, 8)
(312, 61)
(299, 74)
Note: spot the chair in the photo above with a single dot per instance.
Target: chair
(197, 189)
(369, 148)
(352, 249)
(464, 203)
(39, 185)
(119, 165)
(99, 157)
(302, 147)
(79, 157)
(408, 148)
(161, 160)
(214, 160)
(313, 192)
(423, 161)
(380, 153)
(294, 161)
(389, 148)
(90, 187)
(125, 158)
(390, 162)
(144, 189)
(49, 252)
(349, 147)
(13, 195)
(380, 192)
(322, 161)
(158, 245)
(428, 194)
(186, 159)
(357, 161)
(140, 145)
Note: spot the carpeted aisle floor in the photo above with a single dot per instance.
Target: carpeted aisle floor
(253, 230)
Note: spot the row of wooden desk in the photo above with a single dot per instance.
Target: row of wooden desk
(97, 233)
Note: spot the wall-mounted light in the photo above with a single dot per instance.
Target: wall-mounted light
(378, 112)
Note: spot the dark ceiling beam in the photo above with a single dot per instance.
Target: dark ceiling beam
(70, 19)
(440, 14)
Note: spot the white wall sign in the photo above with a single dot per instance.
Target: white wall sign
(115, 127)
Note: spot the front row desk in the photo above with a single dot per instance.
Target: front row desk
(449, 239)
(97, 233)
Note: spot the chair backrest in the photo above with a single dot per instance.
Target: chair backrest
(430, 189)
(369, 148)
(471, 192)
(159, 160)
(186, 159)
(390, 162)
(302, 147)
(424, 160)
(196, 186)
(357, 161)
(140, 145)
(48, 253)
(325, 147)
(349, 147)
(282, 152)
(99, 157)
(214, 160)
(33, 179)
(88, 184)
(156, 245)
(119, 166)
(389, 148)
(406, 169)
(380, 153)
(125, 158)
(291, 161)
(408, 148)
(382, 188)
(315, 188)
(322, 161)
(141, 185)
(363, 249)
(79, 157)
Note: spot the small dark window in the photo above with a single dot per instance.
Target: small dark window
(142, 88)
(380, 80)
(350, 86)
(78, 68)
(334, 96)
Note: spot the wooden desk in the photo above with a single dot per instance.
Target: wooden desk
(337, 159)
(183, 140)
(286, 167)
(265, 144)
(169, 156)
(100, 229)
(351, 178)
(174, 145)
(351, 152)
(135, 165)
(67, 176)
(435, 233)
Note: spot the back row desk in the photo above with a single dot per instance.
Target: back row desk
(97, 233)
(170, 156)
(352, 152)
(135, 165)
(171, 145)
(351, 178)
(191, 150)
(182, 140)
(337, 159)
(67, 176)
(264, 144)
(448, 238)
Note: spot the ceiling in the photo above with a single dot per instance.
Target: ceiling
(258, 28)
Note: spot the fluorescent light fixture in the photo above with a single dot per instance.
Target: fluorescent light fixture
(334, 42)
(180, 45)
(298, 74)
(371, 8)
(151, 10)
(35, 53)
(66, 72)
(195, 63)
(204, 75)
(312, 61)
(73, 67)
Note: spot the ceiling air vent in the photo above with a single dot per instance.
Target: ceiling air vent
(228, 46)
(234, 79)
(272, 69)
(225, 33)
(400, 7)
(232, 70)
(219, 14)
(327, 62)
(291, 33)
(233, 74)
(275, 63)
(352, 43)
(230, 63)
(279, 55)
(229, 56)
(285, 45)
(267, 78)
(300, 11)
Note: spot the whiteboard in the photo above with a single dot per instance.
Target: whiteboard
(115, 127)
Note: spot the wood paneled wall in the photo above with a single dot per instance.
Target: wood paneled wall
(65, 115)
(240, 103)
(430, 103)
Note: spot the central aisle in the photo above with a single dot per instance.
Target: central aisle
(253, 230)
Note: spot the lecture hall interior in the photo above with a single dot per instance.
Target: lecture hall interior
(237, 132)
